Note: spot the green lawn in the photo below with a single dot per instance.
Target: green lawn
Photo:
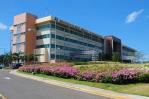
(107, 66)
(138, 89)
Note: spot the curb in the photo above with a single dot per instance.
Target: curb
(82, 88)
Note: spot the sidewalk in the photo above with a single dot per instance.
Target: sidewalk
(82, 88)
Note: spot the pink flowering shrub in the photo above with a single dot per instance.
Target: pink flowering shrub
(125, 75)
(65, 71)
(59, 71)
(35, 69)
(101, 76)
(87, 76)
(48, 70)
(122, 76)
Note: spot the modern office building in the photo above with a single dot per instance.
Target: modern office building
(114, 44)
(128, 54)
(52, 39)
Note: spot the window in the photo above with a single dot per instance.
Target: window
(44, 26)
(43, 36)
(18, 47)
(19, 27)
(18, 38)
(43, 46)
(52, 25)
(60, 28)
(78, 33)
(52, 56)
(59, 37)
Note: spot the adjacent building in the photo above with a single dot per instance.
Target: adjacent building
(52, 39)
(113, 44)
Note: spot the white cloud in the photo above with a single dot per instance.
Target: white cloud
(3, 26)
(132, 16)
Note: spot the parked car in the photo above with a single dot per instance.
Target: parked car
(16, 66)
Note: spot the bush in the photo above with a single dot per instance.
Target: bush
(81, 63)
(144, 77)
(65, 72)
(47, 70)
(115, 56)
(35, 69)
(87, 76)
(59, 71)
(100, 76)
(119, 76)
(125, 75)
(107, 79)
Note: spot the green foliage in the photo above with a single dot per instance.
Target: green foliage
(106, 79)
(17, 56)
(99, 67)
(81, 63)
(92, 62)
(144, 78)
(6, 59)
(115, 56)
(1, 59)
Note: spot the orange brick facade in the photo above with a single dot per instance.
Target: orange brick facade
(24, 33)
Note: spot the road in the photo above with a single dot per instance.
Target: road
(14, 87)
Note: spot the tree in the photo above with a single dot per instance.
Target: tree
(115, 56)
(6, 59)
(30, 58)
(17, 57)
(1, 59)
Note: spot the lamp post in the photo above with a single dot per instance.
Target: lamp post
(55, 39)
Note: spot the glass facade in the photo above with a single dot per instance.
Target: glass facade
(80, 34)
(63, 40)
(66, 39)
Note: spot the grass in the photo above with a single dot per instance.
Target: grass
(107, 66)
(138, 89)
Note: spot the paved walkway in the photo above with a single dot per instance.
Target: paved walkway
(83, 88)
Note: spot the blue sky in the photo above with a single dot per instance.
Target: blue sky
(126, 19)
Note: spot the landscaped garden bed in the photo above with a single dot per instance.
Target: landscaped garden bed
(118, 75)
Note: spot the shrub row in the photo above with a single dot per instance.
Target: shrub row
(59, 71)
(122, 76)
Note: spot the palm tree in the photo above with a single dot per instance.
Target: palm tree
(17, 57)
